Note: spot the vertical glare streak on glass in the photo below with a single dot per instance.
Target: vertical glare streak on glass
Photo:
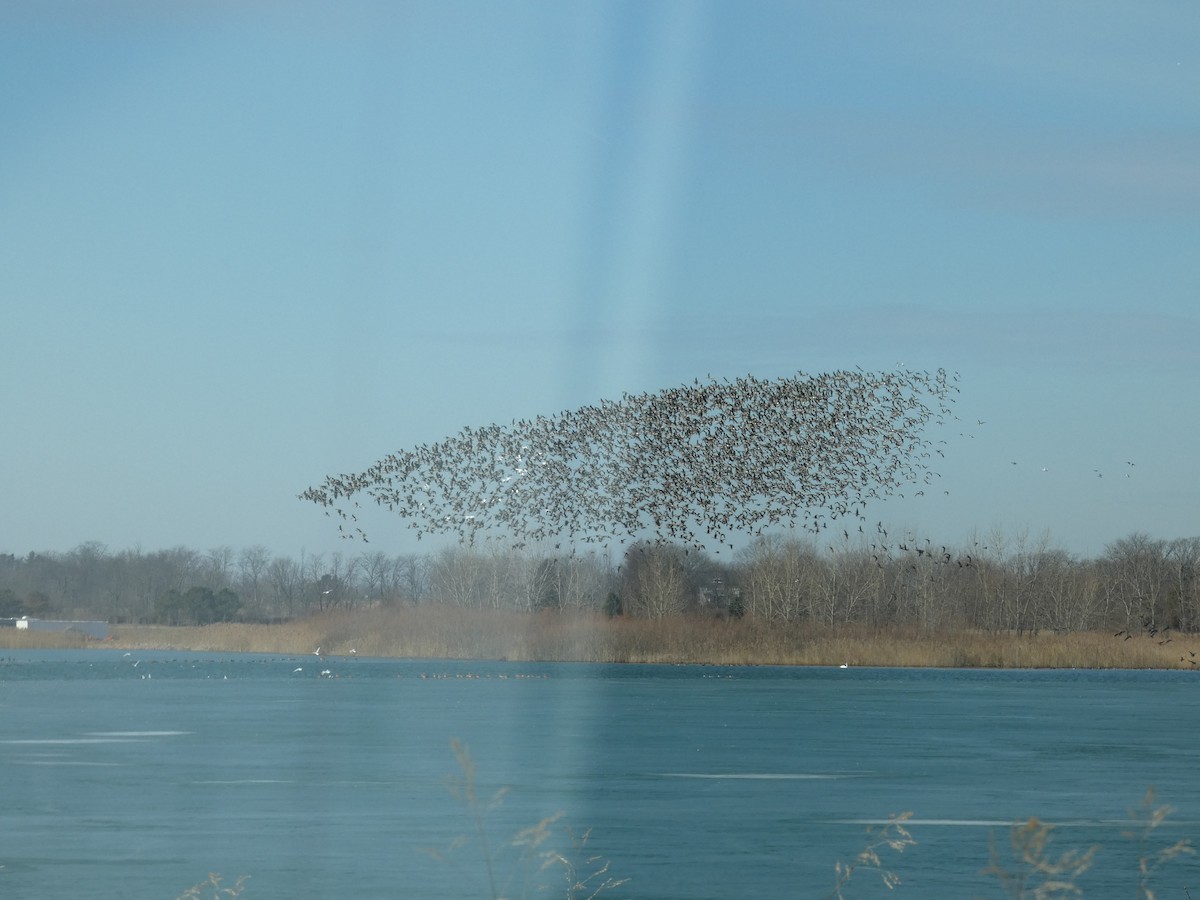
(634, 204)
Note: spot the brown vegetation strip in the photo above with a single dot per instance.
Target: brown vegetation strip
(442, 632)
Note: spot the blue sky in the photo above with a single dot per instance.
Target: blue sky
(243, 246)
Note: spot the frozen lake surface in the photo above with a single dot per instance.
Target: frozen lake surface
(137, 774)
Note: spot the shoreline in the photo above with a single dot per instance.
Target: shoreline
(440, 632)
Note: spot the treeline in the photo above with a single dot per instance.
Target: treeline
(998, 583)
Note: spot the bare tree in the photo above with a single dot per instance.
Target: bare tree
(653, 583)
(334, 585)
(583, 582)
(219, 563)
(845, 583)
(410, 577)
(1001, 582)
(376, 570)
(286, 579)
(504, 581)
(1139, 573)
(252, 567)
(778, 576)
(455, 576)
(1067, 593)
(1028, 567)
(1183, 557)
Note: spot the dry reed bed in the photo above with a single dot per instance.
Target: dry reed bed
(11, 639)
(437, 631)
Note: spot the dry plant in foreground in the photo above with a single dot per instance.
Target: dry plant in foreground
(893, 836)
(213, 883)
(1146, 818)
(1037, 875)
(1032, 873)
(586, 876)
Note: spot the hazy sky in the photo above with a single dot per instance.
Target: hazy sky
(247, 245)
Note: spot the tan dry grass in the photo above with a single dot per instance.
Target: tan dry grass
(438, 631)
(14, 638)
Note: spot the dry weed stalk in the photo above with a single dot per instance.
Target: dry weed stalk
(596, 880)
(1036, 874)
(586, 876)
(1149, 818)
(213, 882)
(1041, 877)
(894, 836)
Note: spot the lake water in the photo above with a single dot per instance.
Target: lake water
(135, 775)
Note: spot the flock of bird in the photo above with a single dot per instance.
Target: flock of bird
(1160, 636)
(690, 464)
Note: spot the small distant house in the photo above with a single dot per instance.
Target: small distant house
(95, 630)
